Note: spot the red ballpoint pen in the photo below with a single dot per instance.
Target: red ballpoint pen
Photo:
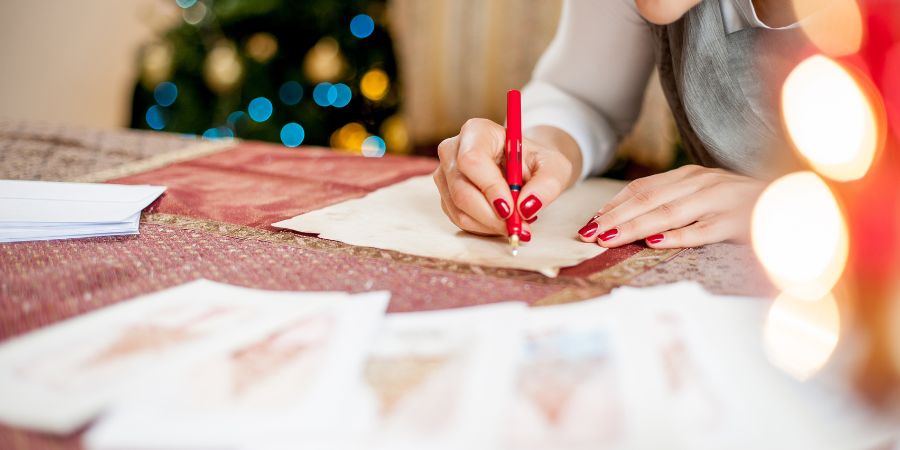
(514, 165)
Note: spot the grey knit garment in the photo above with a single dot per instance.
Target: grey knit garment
(724, 90)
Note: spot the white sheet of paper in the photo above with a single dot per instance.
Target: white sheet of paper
(44, 202)
(407, 217)
(295, 376)
(58, 378)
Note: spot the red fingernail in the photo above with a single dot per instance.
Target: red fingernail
(531, 220)
(655, 239)
(502, 208)
(525, 235)
(530, 206)
(589, 229)
(609, 234)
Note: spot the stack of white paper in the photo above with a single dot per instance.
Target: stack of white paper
(41, 210)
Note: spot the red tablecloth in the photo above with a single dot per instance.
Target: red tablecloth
(214, 222)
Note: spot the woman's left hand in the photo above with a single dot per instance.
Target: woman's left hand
(686, 207)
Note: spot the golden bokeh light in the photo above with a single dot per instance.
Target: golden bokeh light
(261, 47)
(156, 64)
(324, 62)
(834, 26)
(349, 137)
(396, 136)
(374, 84)
(830, 119)
(222, 69)
(799, 336)
(800, 236)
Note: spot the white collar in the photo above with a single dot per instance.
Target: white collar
(740, 14)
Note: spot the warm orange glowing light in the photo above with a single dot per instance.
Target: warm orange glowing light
(799, 336)
(374, 84)
(830, 119)
(834, 26)
(800, 236)
(349, 137)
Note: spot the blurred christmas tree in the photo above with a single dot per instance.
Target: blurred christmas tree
(320, 72)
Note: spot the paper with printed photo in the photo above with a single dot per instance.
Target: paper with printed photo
(294, 376)
(567, 388)
(431, 380)
(58, 378)
(715, 387)
(407, 217)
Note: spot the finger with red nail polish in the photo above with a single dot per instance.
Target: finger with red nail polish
(530, 206)
(502, 208)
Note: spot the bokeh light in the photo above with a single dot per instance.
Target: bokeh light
(155, 117)
(396, 136)
(292, 134)
(290, 93)
(195, 14)
(800, 236)
(373, 147)
(834, 26)
(222, 69)
(321, 94)
(218, 133)
(374, 84)
(349, 137)
(235, 117)
(156, 64)
(339, 95)
(830, 119)
(324, 62)
(165, 93)
(185, 3)
(362, 26)
(261, 47)
(260, 109)
(799, 336)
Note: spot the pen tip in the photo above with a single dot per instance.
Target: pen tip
(514, 244)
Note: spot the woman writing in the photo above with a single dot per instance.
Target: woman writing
(721, 63)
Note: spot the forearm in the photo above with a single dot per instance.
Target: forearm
(555, 138)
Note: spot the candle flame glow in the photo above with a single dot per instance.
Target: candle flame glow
(800, 236)
(830, 119)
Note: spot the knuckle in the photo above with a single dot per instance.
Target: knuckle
(668, 210)
(444, 149)
(468, 161)
(645, 197)
(636, 186)
(473, 124)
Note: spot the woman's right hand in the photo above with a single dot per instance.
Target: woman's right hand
(471, 180)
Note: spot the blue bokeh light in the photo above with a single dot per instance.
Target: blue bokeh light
(339, 95)
(320, 94)
(362, 26)
(165, 93)
(292, 134)
(260, 109)
(156, 117)
(373, 147)
(185, 3)
(290, 93)
(235, 117)
(218, 133)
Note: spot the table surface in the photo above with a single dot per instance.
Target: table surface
(214, 222)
